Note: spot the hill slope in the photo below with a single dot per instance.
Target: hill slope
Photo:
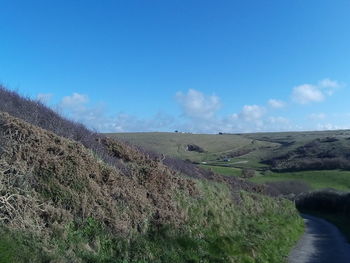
(285, 151)
(214, 148)
(80, 197)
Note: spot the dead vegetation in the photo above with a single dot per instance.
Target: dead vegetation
(47, 181)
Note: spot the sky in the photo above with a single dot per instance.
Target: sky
(189, 65)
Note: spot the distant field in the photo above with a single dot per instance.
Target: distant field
(227, 154)
(230, 171)
(336, 179)
(233, 148)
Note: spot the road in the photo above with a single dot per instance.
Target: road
(321, 243)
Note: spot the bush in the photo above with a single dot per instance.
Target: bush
(247, 173)
(38, 114)
(194, 148)
(325, 201)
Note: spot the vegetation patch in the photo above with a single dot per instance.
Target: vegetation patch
(70, 195)
(217, 229)
(244, 234)
(20, 247)
(228, 171)
(279, 151)
(336, 179)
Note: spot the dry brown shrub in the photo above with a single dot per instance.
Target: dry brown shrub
(47, 180)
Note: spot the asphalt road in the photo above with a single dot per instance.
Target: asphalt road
(321, 243)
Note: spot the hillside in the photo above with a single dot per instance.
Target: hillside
(215, 148)
(280, 151)
(319, 159)
(70, 195)
(308, 150)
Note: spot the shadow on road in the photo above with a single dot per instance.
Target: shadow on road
(321, 243)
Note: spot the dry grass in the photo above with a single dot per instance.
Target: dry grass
(47, 180)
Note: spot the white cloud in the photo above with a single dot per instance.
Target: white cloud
(317, 116)
(195, 104)
(44, 97)
(278, 120)
(200, 113)
(76, 108)
(251, 112)
(276, 103)
(251, 118)
(74, 100)
(328, 83)
(329, 86)
(95, 117)
(128, 123)
(307, 93)
(330, 126)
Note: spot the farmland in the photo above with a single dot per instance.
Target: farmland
(319, 159)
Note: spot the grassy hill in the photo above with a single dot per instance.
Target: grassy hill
(215, 148)
(274, 156)
(70, 195)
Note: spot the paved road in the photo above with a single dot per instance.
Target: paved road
(321, 243)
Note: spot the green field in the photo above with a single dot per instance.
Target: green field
(238, 150)
(229, 171)
(227, 154)
(336, 179)
(243, 150)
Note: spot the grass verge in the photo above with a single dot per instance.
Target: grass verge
(337, 179)
(251, 229)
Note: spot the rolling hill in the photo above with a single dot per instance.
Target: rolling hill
(71, 195)
(274, 156)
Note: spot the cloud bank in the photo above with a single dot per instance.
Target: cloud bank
(194, 104)
(200, 113)
(277, 104)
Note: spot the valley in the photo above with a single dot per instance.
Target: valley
(319, 159)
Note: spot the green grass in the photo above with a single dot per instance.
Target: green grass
(229, 171)
(174, 144)
(336, 179)
(218, 229)
(20, 247)
(260, 146)
(243, 233)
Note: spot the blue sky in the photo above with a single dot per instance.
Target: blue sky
(198, 66)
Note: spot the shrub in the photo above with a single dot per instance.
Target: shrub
(38, 114)
(247, 173)
(194, 148)
(326, 201)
